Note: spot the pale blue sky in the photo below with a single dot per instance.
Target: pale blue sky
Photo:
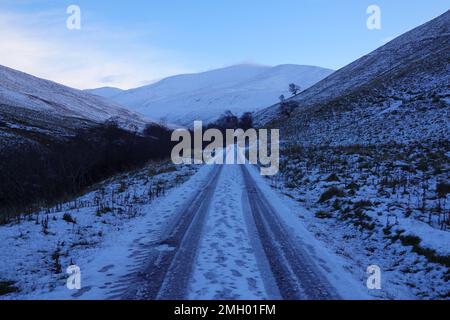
(129, 43)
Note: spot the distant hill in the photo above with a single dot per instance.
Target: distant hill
(34, 111)
(205, 96)
(106, 92)
(26, 91)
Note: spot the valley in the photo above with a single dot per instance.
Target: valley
(120, 184)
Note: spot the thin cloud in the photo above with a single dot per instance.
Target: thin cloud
(95, 56)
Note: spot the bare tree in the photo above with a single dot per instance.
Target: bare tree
(294, 89)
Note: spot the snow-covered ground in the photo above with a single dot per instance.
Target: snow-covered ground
(227, 267)
(371, 210)
(112, 222)
(115, 224)
(350, 284)
(367, 153)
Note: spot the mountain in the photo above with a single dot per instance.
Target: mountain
(37, 112)
(21, 90)
(205, 96)
(400, 93)
(56, 141)
(106, 92)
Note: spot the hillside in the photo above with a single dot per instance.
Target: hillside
(204, 96)
(398, 93)
(20, 90)
(367, 152)
(55, 141)
(106, 92)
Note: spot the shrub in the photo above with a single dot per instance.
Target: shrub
(352, 188)
(167, 169)
(288, 107)
(68, 218)
(56, 262)
(152, 171)
(333, 178)
(430, 254)
(337, 204)
(122, 187)
(387, 231)
(103, 210)
(443, 189)
(291, 185)
(362, 204)
(410, 240)
(7, 287)
(33, 176)
(323, 214)
(422, 165)
(331, 193)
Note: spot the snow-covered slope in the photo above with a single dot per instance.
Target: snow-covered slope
(367, 151)
(18, 89)
(106, 92)
(400, 92)
(204, 96)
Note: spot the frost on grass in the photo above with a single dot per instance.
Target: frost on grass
(387, 205)
(37, 247)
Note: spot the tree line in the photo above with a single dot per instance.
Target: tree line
(39, 176)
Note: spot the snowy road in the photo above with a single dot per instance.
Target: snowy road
(229, 242)
(167, 270)
(295, 273)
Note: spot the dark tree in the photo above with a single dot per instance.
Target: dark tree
(226, 121)
(246, 121)
(294, 89)
(36, 176)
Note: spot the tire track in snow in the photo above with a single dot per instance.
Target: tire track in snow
(170, 262)
(226, 266)
(295, 273)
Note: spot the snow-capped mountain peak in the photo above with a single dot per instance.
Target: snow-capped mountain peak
(204, 96)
